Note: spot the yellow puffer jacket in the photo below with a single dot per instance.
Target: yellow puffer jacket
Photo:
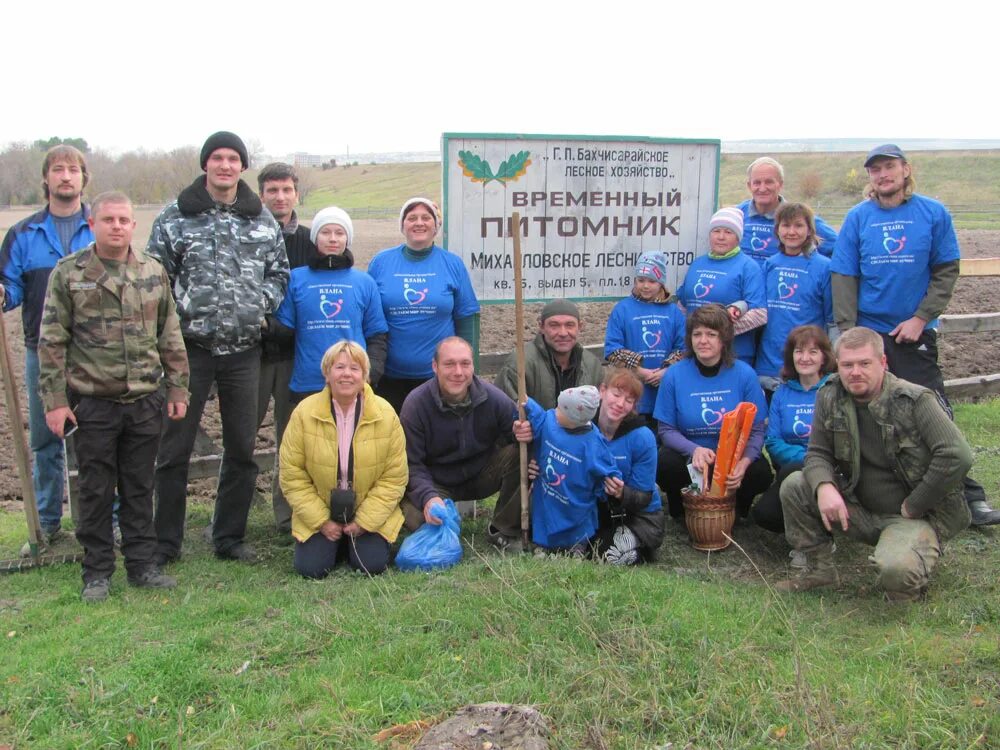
(309, 456)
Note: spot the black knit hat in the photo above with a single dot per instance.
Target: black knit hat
(224, 139)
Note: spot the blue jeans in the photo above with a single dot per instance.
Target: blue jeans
(50, 457)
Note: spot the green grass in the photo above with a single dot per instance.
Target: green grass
(694, 649)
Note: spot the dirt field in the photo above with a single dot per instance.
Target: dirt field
(960, 356)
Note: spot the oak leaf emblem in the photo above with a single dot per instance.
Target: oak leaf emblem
(479, 170)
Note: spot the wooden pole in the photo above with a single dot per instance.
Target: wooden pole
(522, 395)
(20, 442)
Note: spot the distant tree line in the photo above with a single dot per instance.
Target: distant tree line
(145, 176)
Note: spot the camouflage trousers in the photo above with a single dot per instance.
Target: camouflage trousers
(906, 550)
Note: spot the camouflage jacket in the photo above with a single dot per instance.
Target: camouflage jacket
(226, 264)
(930, 453)
(108, 342)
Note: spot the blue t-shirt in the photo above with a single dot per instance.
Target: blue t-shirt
(647, 328)
(421, 300)
(573, 466)
(760, 242)
(892, 250)
(695, 404)
(324, 307)
(725, 282)
(635, 455)
(798, 294)
(789, 422)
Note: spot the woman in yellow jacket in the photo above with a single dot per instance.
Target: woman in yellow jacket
(343, 470)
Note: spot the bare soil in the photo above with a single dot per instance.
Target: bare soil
(961, 355)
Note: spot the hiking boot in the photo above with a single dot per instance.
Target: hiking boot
(503, 542)
(96, 590)
(240, 552)
(798, 559)
(982, 514)
(162, 558)
(820, 572)
(44, 541)
(153, 578)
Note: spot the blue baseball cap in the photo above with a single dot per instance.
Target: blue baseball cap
(888, 150)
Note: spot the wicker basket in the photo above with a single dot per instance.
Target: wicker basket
(709, 520)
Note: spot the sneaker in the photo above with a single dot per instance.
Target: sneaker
(241, 552)
(503, 542)
(96, 590)
(153, 578)
(44, 541)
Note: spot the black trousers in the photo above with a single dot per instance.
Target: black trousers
(395, 390)
(317, 555)
(918, 363)
(237, 377)
(115, 448)
(672, 476)
(767, 512)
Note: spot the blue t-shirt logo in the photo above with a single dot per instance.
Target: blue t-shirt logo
(801, 429)
(413, 296)
(710, 416)
(552, 477)
(785, 290)
(891, 243)
(701, 289)
(651, 338)
(330, 309)
(759, 245)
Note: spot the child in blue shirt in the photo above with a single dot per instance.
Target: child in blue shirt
(573, 460)
(645, 332)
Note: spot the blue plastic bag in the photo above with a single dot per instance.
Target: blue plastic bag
(433, 547)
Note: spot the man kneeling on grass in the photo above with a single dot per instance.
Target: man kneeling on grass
(885, 466)
(109, 334)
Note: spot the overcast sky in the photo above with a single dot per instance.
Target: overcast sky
(378, 77)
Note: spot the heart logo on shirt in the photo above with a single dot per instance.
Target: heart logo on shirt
(552, 477)
(800, 428)
(330, 309)
(701, 290)
(786, 290)
(651, 338)
(893, 245)
(756, 243)
(413, 296)
(711, 417)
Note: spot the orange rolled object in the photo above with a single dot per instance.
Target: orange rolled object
(736, 426)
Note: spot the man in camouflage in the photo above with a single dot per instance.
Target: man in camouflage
(109, 334)
(225, 257)
(884, 466)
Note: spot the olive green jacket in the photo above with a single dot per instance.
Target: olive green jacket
(110, 342)
(544, 380)
(931, 455)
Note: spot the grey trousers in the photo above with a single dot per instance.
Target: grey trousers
(906, 549)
